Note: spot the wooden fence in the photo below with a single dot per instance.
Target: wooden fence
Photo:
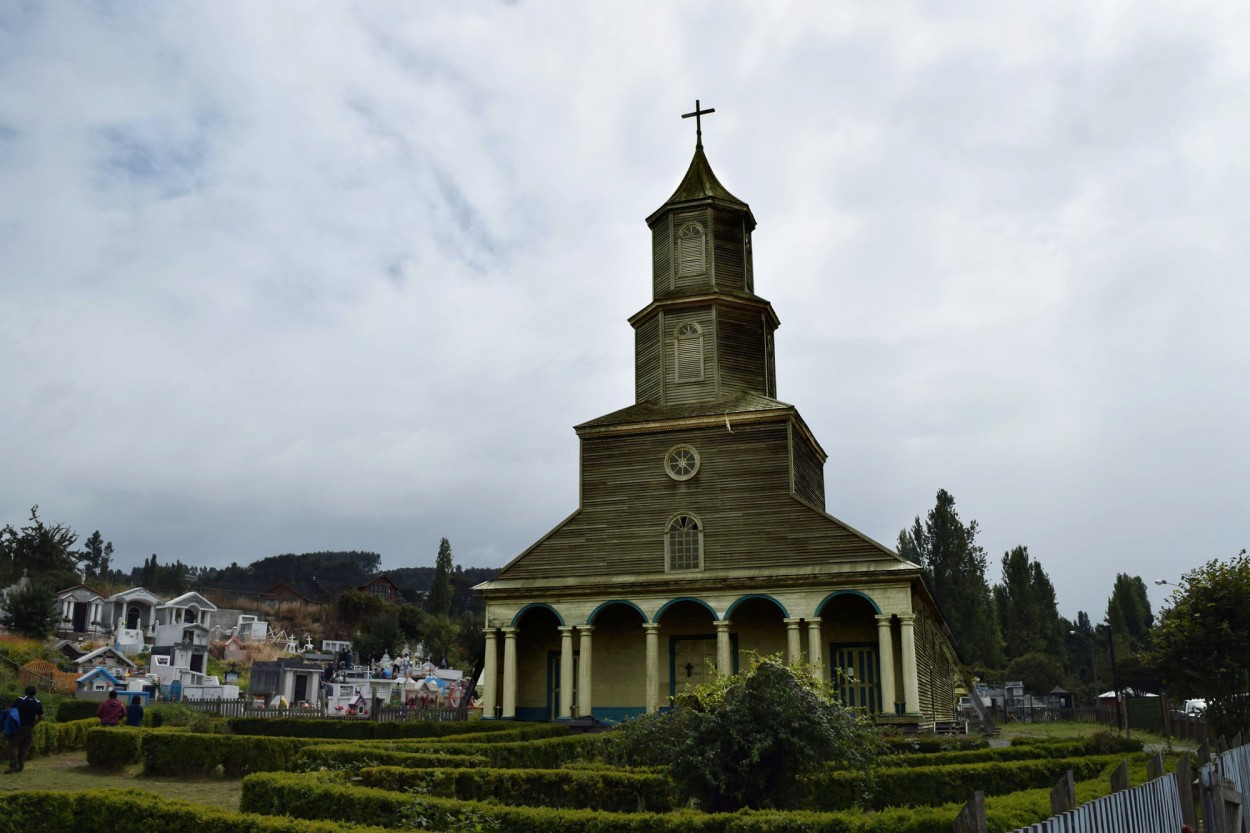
(1158, 806)
(1224, 782)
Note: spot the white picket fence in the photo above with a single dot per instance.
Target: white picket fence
(1154, 807)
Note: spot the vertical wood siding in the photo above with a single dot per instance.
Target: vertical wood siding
(647, 361)
(748, 268)
(934, 668)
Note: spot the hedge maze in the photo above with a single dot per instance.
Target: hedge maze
(307, 775)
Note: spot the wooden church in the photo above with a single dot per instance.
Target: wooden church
(701, 534)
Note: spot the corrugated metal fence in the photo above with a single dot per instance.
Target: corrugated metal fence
(1154, 807)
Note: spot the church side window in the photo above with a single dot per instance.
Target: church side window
(688, 353)
(691, 250)
(684, 544)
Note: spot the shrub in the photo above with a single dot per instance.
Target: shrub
(747, 740)
(51, 737)
(930, 744)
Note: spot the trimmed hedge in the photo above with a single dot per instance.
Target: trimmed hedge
(55, 812)
(189, 755)
(1024, 752)
(113, 748)
(941, 784)
(51, 737)
(354, 756)
(620, 792)
(68, 710)
(304, 797)
(549, 753)
(922, 744)
(396, 730)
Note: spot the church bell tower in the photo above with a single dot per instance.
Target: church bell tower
(706, 336)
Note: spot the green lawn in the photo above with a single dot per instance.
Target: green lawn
(1069, 730)
(68, 772)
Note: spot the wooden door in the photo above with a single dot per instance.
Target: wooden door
(858, 683)
(693, 662)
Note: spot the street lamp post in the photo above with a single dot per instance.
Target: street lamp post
(1121, 713)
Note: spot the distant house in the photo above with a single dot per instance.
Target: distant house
(281, 594)
(132, 615)
(106, 657)
(82, 610)
(183, 621)
(383, 587)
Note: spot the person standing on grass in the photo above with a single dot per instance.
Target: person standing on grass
(111, 711)
(134, 712)
(30, 711)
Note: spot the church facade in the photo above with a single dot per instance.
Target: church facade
(701, 535)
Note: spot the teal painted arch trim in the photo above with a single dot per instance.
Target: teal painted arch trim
(785, 613)
(671, 602)
(820, 607)
(523, 610)
(590, 620)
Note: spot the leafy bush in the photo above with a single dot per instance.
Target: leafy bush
(747, 740)
(50, 737)
(930, 744)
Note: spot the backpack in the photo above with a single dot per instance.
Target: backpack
(11, 722)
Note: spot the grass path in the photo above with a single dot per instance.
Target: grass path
(69, 772)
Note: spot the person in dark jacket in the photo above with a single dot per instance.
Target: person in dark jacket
(111, 711)
(30, 712)
(134, 712)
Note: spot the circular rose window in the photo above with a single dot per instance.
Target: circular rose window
(682, 462)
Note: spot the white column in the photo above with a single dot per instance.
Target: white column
(566, 671)
(583, 673)
(509, 674)
(653, 666)
(885, 651)
(911, 682)
(815, 652)
(490, 675)
(794, 640)
(724, 657)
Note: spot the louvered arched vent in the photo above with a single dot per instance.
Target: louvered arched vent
(691, 250)
(688, 353)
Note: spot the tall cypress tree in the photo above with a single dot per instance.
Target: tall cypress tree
(1027, 613)
(438, 602)
(954, 569)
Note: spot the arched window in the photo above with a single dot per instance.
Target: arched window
(688, 353)
(683, 544)
(691, 250)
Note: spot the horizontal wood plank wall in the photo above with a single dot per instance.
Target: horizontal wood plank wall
(662, 258)
(809, 473)
(727, 236)
(647, 361)
(701, 391)
(741, 339)
(741, 494)
(936, 673)
(748, 268)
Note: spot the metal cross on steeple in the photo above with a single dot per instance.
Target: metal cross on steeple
(698, 122)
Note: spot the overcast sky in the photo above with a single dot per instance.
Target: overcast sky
(284, 277)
